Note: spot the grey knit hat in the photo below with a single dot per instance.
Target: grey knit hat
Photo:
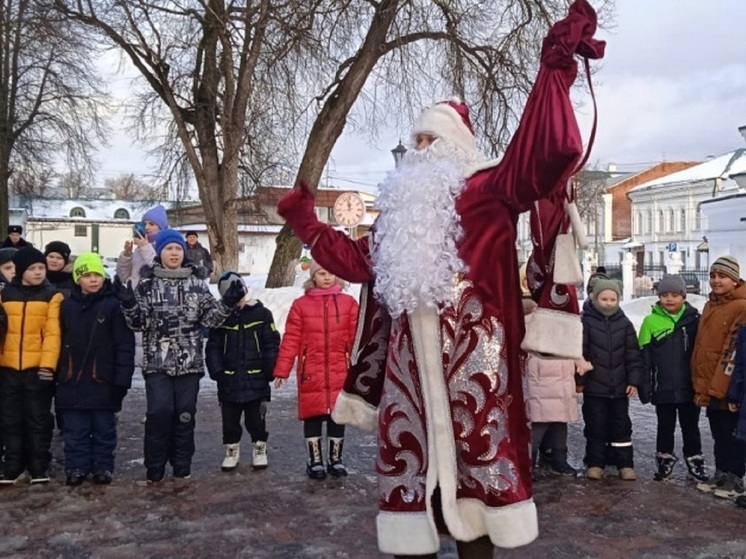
(672, 283)
(728, 266)
(227, 279)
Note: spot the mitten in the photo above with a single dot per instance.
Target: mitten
(124, 293)
(235, 292)
(297, 209)
(118, 393)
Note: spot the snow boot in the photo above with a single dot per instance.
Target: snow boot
(259, 455)
(232, 456)
(595, 473)
(696, 466)
(545, 457)
(666, 463)
(712, 483)
(627, 474)
(336, 467)
(315, 467)
(560, 467)
(731, 488)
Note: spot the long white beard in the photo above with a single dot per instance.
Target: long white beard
(414, 253)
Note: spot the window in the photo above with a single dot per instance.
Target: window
(77, 212)
(649, 224)
(661, 257)
(121, 213)
(682, 225)
(698, 218)
(671, 219)
(661, 224)
(81, 230)
(638, 223)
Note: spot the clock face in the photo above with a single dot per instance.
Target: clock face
(349, 209)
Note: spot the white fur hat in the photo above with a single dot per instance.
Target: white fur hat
(449, 120)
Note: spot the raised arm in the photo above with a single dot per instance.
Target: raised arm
(546, 147)
(336, 252)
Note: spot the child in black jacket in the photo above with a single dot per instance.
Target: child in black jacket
(241, 356)
(610, 345)
(667, 340)
(94, 372)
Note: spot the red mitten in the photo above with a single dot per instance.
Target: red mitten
(297, 209)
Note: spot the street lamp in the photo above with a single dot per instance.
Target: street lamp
(398, 153)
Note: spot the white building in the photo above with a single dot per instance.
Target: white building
(667, 212)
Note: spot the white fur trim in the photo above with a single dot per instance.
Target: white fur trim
(353, 410)
(406, 533)
(578, 228)
(509, 526)
(442, 121)
(554, 334)
(480, 166)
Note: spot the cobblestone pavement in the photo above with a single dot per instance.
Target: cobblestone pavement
(279, 513)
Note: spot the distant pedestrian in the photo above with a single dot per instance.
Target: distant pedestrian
(7, 268)
(712, 363)
(171, 305)
(196, 253)
(241, 356)
(667, 340)
(610, 346)
(59, 275)
(319, 335)
(14, 239)
(94, 372)
(27, 362)
(140, 251)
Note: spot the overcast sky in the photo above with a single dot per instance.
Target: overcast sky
(672, 86)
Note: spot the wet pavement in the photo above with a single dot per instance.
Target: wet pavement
(279, 513)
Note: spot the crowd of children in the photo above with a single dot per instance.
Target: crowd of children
(68, 335)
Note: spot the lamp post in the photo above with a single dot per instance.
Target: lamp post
(398, 153)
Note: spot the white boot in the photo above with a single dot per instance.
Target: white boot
(232, 455)
(259, 455)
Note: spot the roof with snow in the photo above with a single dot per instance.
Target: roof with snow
(126, 210)
(722, 167)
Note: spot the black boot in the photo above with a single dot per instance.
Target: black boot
(336, 467)
(315, 466)
(560, 467)
(665, 466)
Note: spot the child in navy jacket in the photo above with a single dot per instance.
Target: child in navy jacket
(94, 372)
(241, 356)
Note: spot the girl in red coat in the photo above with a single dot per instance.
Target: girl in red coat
(320, 332)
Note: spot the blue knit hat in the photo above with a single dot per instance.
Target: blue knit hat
(168, 236)
(158, 216)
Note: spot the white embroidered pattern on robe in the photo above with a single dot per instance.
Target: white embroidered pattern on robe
(401, 412)
(473, 351)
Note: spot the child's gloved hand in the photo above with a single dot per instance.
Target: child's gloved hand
(235, 292)
(125, 293)
(47, 375)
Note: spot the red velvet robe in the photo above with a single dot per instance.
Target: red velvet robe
(445, 391)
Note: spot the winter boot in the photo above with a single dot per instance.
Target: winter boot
(259, 455)
(336, 467)
(696, 466)
(712, 483)
(560, 467)
(545, 457)
(731, 488)
(595, 473)
(232, 456)
(315, 467)
(665, 466)
(627, 474)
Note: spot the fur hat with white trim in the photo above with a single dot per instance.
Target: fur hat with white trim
(449, 120)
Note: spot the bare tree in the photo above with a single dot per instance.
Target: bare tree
(50, 97)
(32, 183)
(127, 186)
(251, 88)
(75, 184)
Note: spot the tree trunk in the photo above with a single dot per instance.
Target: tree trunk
(327, 128)
(4, 194)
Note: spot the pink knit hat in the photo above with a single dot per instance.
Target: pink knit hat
(315, 267)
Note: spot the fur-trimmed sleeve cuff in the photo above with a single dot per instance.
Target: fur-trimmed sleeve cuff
(554, 334)
(353, 410)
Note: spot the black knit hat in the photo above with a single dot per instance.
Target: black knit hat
(189, 233)
(25, 257)
(6, 254)
(63, 249)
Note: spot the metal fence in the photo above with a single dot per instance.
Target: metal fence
(697, 279)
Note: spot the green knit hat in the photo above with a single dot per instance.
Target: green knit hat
(88, 263)
(603, 284)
